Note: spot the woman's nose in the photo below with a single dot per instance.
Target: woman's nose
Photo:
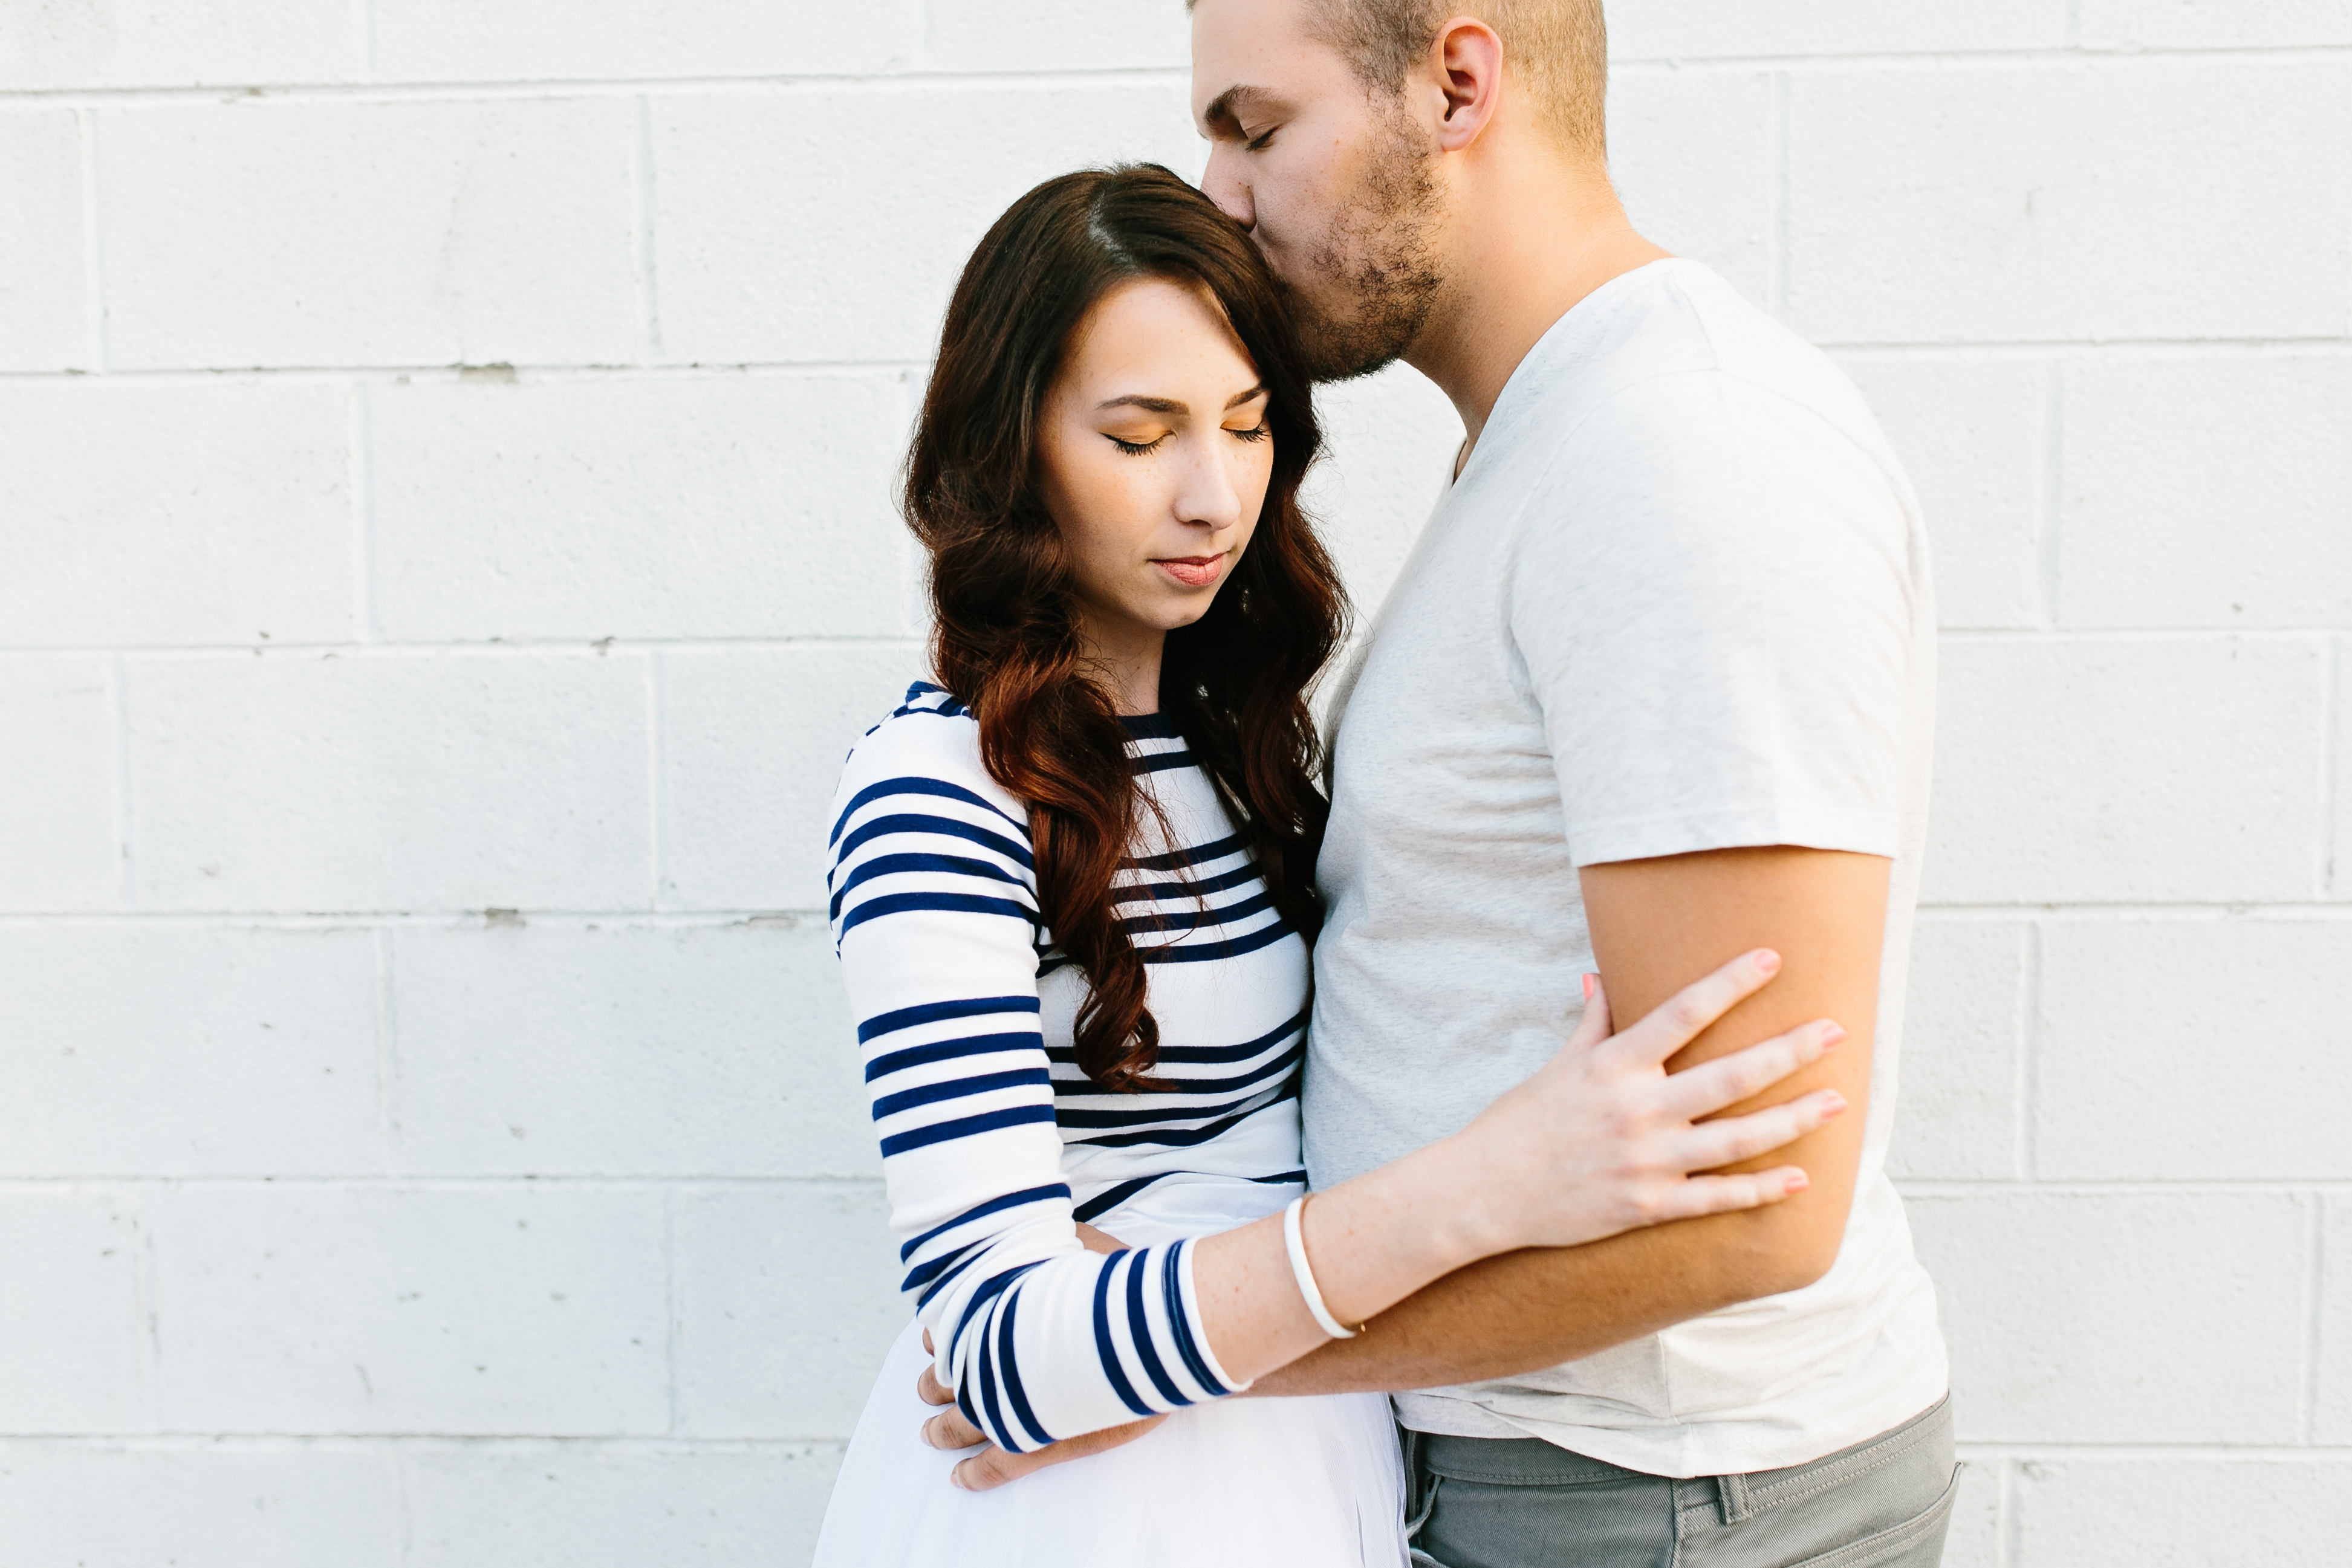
(1210, 497)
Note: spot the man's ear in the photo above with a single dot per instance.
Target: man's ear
(1467, 59)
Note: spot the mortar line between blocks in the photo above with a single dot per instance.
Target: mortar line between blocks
(1963, 351)
(496, 1183)
(1778, 266)
(441, 375)
(647, 277)
(415, 1442)
(92, 241)
(2029, 1450)
(2315, 1281)
(2120, 1186)
(432, 917)
(579, 645)
(2122, 58)
(505, 648)
(2048, 556)
(512, 89)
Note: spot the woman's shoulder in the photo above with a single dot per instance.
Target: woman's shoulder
(929, 745)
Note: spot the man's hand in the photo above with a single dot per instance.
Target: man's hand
(993, 1467)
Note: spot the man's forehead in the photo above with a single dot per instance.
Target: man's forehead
(1253, 53)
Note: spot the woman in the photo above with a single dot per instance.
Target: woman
(1072, 889)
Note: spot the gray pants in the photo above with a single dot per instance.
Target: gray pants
(1488, 1502)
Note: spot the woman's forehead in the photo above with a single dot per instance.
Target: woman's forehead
(1158, 328)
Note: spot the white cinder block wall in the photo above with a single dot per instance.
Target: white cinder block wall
(446, 547)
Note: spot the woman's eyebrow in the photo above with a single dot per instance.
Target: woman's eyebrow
(1170, 405)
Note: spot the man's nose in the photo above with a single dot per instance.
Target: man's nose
(1222, 184)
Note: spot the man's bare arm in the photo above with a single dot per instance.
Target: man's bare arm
(1657, 924)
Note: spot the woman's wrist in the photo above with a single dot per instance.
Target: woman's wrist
(1378, 1239)
(1457, 1199)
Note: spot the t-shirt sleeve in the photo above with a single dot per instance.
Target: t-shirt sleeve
(935, 917)
(1712, 595)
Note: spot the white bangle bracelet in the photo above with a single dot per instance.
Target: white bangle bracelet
(1295, 1243)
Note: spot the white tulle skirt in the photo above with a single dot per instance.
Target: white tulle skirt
(1239, 1483)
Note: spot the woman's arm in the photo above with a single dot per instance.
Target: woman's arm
(935, 916)
(1599, 1140)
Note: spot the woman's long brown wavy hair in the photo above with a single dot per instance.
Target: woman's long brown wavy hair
(1005, 640)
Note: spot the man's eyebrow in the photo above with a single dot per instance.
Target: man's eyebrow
(1226, 107)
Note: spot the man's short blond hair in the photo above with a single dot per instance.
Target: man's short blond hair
(1556, 50)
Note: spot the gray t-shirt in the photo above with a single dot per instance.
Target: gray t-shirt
(1677, 601)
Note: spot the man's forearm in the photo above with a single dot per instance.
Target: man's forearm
(1524, 1310)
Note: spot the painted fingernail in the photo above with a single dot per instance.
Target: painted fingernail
(1768, 962)
(1799, 1181)
(1833, 1103)
(1589, 981)
(1834, 1034)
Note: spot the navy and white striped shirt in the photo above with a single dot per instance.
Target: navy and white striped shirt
(993, 1142)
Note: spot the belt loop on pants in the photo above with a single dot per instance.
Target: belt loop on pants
(1731, 1492)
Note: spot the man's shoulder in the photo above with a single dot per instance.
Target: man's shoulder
(1678, 366)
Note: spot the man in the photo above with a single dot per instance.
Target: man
(1654, 687)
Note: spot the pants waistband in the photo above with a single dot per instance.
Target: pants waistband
(1532, 1461)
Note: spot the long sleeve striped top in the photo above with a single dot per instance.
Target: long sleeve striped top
(994, 1144)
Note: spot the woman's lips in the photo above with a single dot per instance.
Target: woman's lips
(1193, 570)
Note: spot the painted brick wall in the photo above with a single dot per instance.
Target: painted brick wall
(444, 548)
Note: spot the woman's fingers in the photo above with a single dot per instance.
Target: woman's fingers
(1593, 1027)
(950, 1430)
(932, 1391)
(1711, 1144)
(1727, 1194)
(1678, 1020)
(1701, 1090)
(987, 1472)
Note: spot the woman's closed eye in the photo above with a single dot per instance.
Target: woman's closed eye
(1255, 433)
(1138, 448)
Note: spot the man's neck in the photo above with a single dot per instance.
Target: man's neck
(1529, 239)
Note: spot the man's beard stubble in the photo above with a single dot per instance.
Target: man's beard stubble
(1377, 258)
